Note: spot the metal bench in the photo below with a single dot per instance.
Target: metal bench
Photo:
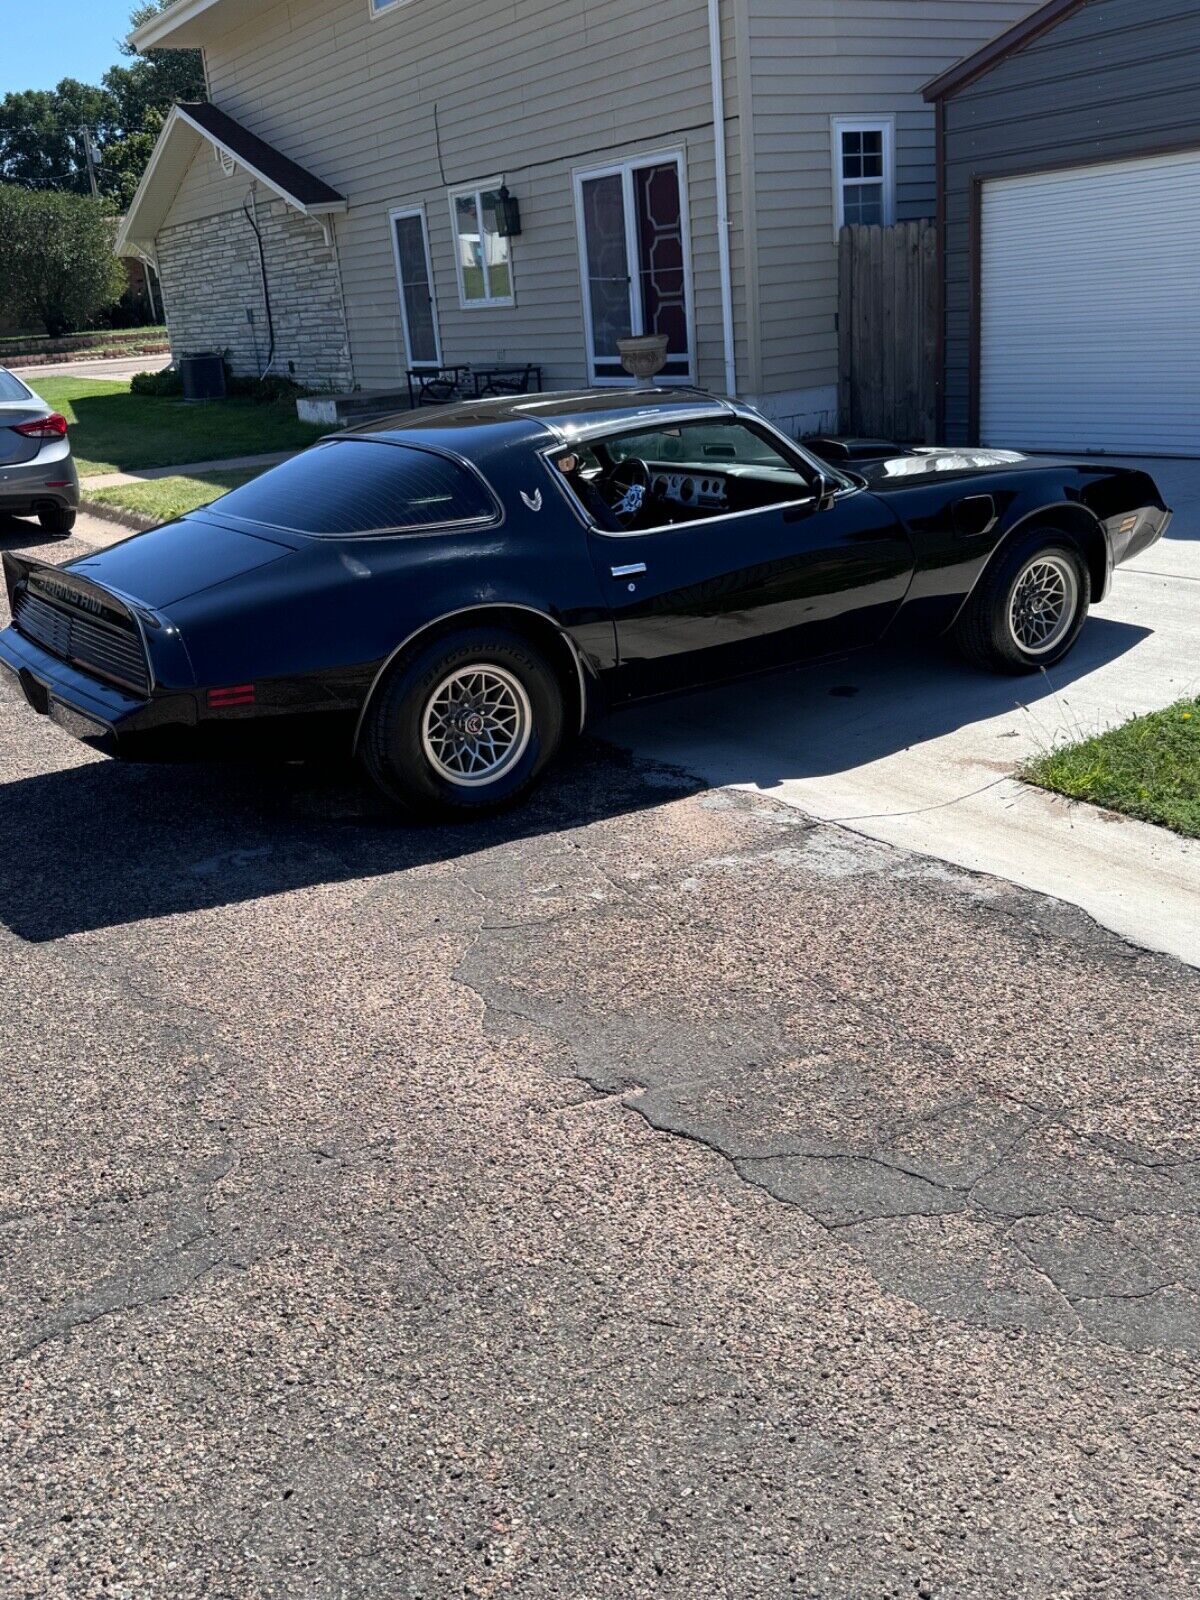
(440, 386)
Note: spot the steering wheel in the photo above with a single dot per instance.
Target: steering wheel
(627, 487)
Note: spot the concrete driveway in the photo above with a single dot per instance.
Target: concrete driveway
(917, 749)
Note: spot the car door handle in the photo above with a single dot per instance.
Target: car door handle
(630, 571)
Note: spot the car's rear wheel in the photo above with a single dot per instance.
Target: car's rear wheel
(57, 520)
(463, 726)
(1030, 607)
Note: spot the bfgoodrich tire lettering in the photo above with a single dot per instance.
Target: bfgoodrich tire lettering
(496, 688)
(1029, 607)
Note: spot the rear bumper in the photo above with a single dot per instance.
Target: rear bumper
(167, 727)
(34, 485)
(100, 714)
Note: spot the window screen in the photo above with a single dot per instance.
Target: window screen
(357, 486)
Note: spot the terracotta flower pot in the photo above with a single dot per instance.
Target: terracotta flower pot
(643, 354)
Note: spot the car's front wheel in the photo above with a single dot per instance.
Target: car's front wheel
(1029, 607)
(464, 726)
(58, 520)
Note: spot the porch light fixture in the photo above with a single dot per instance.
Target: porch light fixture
(508, 214)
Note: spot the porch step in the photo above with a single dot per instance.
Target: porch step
(347, 410)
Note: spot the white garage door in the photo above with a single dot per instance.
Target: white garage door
(1090, 291)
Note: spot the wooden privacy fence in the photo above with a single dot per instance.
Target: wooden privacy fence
(888, 309)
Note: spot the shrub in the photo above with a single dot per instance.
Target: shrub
(265, 390)
(159, 385)
(168, 384)
(57, 264)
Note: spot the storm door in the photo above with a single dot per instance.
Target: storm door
(634, 263)
(418, 312)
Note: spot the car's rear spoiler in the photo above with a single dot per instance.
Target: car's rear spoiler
(62, 587)
(16, 570)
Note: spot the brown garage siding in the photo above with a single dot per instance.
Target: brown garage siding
(1113, 79)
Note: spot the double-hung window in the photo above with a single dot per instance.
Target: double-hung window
(481, 252)
(863, 170)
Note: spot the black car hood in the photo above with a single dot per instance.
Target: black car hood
(181, 559)
(926, 466)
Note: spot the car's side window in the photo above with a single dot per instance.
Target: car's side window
(683, 472)
(347, 487)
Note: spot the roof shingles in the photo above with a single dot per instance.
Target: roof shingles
(278, 170)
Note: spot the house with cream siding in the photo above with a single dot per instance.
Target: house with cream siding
(381, 185)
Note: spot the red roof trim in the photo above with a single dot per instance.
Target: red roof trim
(999, 49)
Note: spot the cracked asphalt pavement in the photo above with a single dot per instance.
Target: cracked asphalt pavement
(651, 1193)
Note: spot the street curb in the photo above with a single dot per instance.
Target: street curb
(124, 519)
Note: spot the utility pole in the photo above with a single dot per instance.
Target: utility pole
(89, 150)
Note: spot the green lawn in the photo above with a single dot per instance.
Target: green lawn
(1149, 768)
(115, 431)
(168, 498)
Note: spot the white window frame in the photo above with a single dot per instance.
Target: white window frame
(393, 218)
(382, 8)
(886, 125)
(476, 191)
(581, 175)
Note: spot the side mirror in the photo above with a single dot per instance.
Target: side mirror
(826, 492)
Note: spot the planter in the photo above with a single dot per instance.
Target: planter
(644, 354)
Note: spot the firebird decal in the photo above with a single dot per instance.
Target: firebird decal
(534, 500)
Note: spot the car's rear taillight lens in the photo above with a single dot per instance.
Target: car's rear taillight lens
(54, 427)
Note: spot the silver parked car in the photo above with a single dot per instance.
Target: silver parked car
(37, 475)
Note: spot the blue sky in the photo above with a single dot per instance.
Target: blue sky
(44, 43)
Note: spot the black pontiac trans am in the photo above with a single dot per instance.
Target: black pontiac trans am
(448, 594)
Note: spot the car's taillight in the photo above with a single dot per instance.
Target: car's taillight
(54, 427)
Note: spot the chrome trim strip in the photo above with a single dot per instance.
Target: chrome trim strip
(462, 611)
(632, 570)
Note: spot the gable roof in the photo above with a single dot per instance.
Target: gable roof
(999, 49)
(189, 126)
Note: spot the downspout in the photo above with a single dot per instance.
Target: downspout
(722, 182)
(250, 210)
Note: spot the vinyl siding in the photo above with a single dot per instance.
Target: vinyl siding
(528, 90)
(811, 60)
(1118, 78)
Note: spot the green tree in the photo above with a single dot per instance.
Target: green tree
(40, 142)
(157, 80)
(126, 159)
(42, 147)
(57, 264)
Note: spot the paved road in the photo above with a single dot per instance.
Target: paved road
(112, 370)
(917, 749)
(652, 1194)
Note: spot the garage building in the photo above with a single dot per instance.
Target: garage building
(1069, 201)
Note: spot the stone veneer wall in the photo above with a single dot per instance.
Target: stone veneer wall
(211, 279)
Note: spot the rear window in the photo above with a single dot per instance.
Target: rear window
(12, 388)
(356, 486)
